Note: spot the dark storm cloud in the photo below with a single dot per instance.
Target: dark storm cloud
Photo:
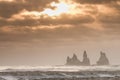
(95, 1)
(109, 19)
(78, 31)
(7, 9)
(64, 19)
(60, 34)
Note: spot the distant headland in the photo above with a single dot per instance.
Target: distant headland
(103, 60)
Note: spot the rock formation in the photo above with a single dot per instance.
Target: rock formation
(86, 60)
(75, 61)
(103, 60)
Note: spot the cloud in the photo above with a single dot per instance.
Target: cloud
(12, 13)
(96, 1)
(109, 19)
(7, 9)
(59, 34)
(110, 14)
(18, 17)
(64, 19)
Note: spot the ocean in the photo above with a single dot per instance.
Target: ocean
(60, 72)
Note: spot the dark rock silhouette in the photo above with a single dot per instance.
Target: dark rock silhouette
(68, 60)
(75, 61)
(86, 60)
(103, 60)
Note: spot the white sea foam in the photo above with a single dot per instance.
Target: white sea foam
(9, 77)
(59, 68)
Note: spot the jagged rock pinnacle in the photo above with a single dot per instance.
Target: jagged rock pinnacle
(86, 60)
(103, 60)
(75, 61)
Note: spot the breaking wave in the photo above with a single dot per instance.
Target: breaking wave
(60, 73)
(60, 68)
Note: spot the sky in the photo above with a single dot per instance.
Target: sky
(45, 32)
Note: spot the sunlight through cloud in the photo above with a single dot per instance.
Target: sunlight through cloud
(60, 8)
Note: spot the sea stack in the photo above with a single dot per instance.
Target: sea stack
(103, 60)
(73, 61)
(86, 60)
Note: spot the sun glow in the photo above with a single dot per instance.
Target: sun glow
(60, 8)
(64, 7)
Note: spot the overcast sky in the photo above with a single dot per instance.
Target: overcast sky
(45, 32)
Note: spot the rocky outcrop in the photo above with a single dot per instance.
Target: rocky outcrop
(103, 60)
(86, 60)
(75, 61)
